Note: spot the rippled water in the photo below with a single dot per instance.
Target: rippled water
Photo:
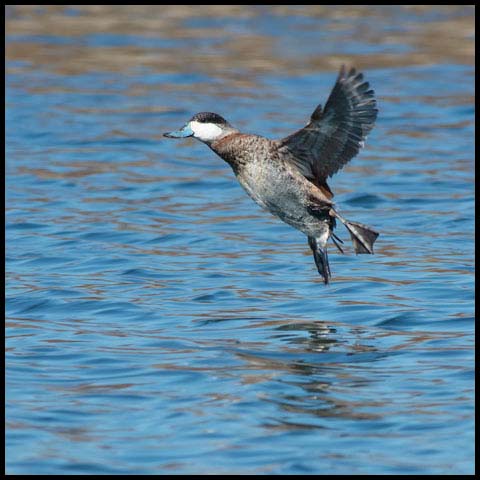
(158, 321)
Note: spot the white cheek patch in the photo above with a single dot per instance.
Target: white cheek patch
(205, 131)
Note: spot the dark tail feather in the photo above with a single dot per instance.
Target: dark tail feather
(321, 259)
(363, 237)
(335, 240)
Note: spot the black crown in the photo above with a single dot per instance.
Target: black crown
(209, 117)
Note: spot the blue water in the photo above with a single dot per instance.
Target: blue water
(158, 321)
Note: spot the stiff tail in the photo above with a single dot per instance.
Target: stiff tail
(321, 258)
(363, 237)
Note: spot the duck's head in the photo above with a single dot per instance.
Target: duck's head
(205, 126)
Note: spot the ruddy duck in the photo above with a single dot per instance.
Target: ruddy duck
(288, 177)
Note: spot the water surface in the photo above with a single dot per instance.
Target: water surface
(158, 321)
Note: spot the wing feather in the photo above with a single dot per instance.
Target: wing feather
(335, 134)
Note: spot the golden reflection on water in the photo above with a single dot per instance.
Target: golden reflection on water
(234, 54)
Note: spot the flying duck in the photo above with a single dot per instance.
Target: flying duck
(288, 177)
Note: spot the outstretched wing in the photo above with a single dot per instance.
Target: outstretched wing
(336, 134)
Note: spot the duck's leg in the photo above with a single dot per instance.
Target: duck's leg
(319, 249)
(363, 237)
